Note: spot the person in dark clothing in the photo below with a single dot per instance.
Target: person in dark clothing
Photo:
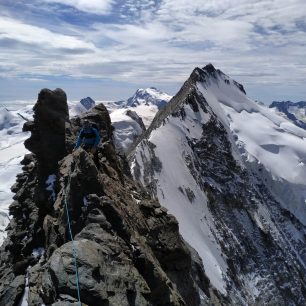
(89, 140)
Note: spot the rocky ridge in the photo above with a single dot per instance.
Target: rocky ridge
(129, 251)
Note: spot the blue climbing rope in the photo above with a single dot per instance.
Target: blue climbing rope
(73, 249)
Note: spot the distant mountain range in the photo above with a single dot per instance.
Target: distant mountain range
(131, 117)
(294, 111)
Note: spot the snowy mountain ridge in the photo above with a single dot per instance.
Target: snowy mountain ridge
(233, 174)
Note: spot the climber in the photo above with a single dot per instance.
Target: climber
(89, 139)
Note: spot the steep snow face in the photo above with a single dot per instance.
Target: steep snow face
(178, 190)
(263, 138)
(145, 103)
(222, 164)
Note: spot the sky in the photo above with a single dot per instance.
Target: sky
(107, 49)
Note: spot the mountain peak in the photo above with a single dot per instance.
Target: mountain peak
(149, 96)
(212, 158)
(209, 71)
(209, 68)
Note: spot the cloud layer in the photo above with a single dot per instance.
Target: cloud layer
(154, 41)
(100, 7)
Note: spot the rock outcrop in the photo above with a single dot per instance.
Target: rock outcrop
(128, 248)
(88, 103)
(47, 139)
(136, 118)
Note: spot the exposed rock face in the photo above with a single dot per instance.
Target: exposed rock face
(135, 117)
(129, 251)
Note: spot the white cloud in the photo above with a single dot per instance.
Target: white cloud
(99, 7)
(12, 29)
(257, 42)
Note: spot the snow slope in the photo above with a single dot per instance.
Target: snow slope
(264, 138)
(174, 181)
(126, 128)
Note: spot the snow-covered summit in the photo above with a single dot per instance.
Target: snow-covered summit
(266, 138)
(234, 175)
(149, 96)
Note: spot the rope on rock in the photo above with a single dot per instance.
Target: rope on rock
(73, 248)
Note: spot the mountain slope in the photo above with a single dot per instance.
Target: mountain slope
(212, 157)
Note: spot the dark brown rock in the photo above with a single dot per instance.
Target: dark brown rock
(47, 140)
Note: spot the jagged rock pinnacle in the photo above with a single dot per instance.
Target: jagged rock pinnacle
(47, 141)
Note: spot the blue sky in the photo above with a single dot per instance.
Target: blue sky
(107, 49)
